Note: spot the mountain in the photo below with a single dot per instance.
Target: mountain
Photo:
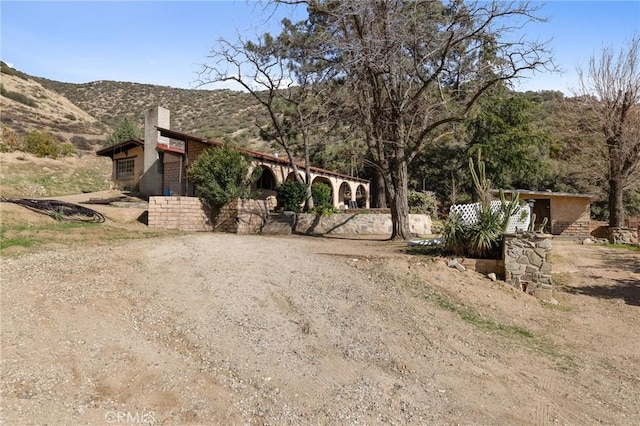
(86, 113)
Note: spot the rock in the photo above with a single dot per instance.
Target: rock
(492, 276)
(588, 241)
(453, 263)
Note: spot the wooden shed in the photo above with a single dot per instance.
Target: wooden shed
(566, 213)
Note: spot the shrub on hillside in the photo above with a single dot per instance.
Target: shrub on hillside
(44, 144)
(10, 141)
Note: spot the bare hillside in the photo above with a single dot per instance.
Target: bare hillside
(27, 105)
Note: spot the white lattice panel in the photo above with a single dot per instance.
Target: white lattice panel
(519, 220)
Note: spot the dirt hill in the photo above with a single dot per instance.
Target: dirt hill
(26, 104)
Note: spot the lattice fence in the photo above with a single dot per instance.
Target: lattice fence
(519, 220)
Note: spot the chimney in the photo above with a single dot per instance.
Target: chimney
(152, 177)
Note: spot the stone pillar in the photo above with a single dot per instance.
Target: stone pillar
(152, 173)
(526, 263)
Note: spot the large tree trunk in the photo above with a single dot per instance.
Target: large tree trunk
(379, 194)
(616, 206)
(397, 196)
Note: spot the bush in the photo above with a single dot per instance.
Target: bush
(42, 144)
(221, 175)
(10, 141)
(321, 193)
(67, 149)
(424, 202)
(325, 209)
(291, 195)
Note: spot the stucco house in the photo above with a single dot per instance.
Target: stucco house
(566, 213)
(158, 165)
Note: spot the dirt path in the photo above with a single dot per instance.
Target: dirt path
(227, 329)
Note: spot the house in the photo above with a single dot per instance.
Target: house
(565, 213)
(158, 165)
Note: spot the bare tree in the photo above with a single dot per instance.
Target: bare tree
(408, 70)
(280, 75)
(610, 90)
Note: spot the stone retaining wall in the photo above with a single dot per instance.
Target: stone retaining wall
(190, 214)
(526, 263)
(623, 236)
(358, 224)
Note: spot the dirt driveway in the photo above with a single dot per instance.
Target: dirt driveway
(227, 329)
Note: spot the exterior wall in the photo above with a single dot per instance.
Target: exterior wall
(138, 154)
(189, 214)
(570, 216)
(172, 175)
(357, 224)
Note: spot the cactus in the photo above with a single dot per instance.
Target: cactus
(542, 225)
(532, 223)
(480, 180)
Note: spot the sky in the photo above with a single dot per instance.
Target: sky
(166, 42)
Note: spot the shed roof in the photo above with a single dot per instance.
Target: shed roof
(111, 151)
(547, 194)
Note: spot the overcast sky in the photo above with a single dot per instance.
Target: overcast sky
(164, 42)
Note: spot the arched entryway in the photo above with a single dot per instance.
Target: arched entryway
(361, 196)
(344, 194)
(322, 180)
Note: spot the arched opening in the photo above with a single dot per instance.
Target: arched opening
(325, 181)
(292, 177)
(344, 194)
(266, 186)
(361, 196)
(267, 179)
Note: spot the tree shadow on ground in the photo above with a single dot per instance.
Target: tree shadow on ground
(625, 289)
(624, 260)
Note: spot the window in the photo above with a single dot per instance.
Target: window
(124, 168)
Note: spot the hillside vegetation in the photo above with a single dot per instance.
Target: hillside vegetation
(222, 115)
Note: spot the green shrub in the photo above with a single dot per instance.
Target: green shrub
(325, 209)
(321, 193)
(67, 149)
(423, 202)
(221, 175)
(291, 195)
(70, 116)
(42, 144)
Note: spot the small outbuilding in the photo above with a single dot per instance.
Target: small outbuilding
(566, 213)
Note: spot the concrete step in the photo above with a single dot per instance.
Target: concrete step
(279, 224)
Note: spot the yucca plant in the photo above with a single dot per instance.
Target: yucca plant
(454, 234)
(483, 238)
